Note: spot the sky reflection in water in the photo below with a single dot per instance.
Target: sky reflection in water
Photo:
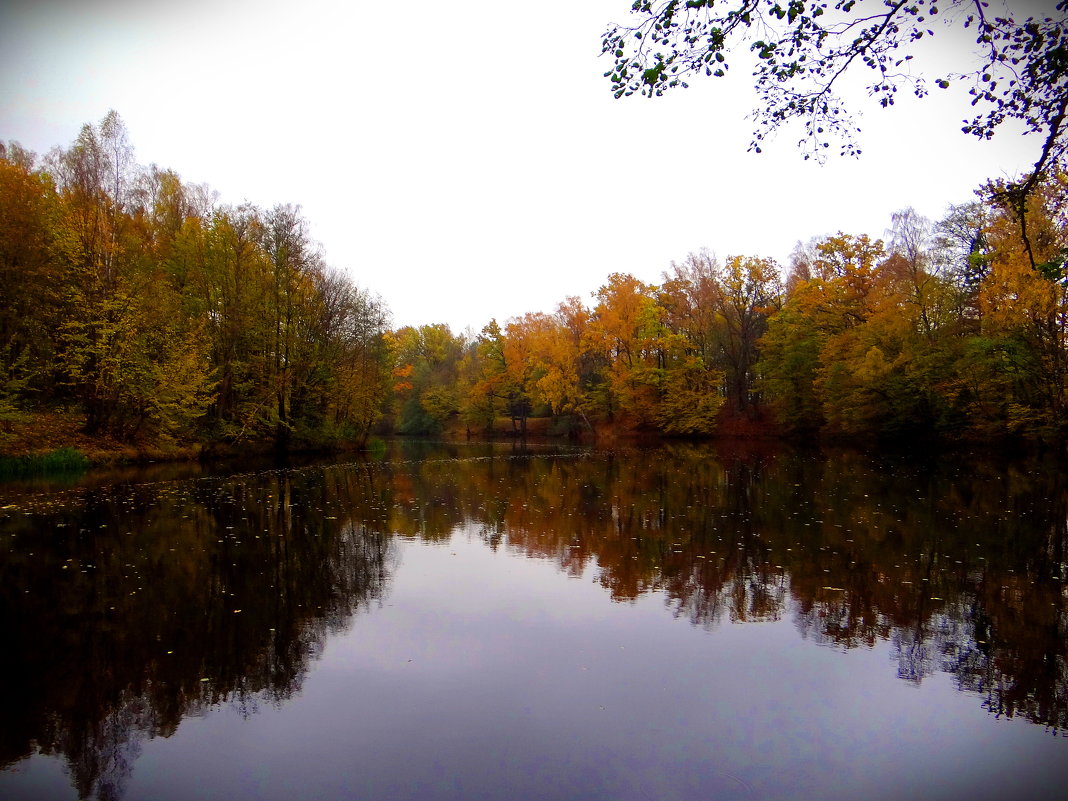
(478, 623)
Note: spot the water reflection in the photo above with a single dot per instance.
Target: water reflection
(129, 607)
(960, 563)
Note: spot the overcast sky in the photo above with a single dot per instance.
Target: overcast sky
(466, 160)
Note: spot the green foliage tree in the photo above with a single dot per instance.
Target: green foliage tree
(235, 285)
(425, 367)
(790, 359)
(504, 375)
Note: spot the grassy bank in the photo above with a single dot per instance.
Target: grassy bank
(54, 441)
(61, 460)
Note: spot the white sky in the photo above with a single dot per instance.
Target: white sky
(466, 160)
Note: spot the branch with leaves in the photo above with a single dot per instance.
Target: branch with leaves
(804, 48)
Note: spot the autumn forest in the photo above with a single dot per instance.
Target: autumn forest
(152, 313)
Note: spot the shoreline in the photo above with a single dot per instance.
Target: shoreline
(51, 441)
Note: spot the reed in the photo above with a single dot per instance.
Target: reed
(61, 460)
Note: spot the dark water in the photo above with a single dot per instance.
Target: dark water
(469, 623)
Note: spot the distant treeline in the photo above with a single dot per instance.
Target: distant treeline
(162, 316)
(954, 329)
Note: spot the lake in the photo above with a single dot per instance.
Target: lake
(497, 622)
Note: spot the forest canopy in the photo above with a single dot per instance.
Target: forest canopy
(163, 315)
(153, 313)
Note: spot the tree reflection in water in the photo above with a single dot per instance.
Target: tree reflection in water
(130, 607)
(960, 564)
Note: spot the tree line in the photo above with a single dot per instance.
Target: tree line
(140, 301)
(942, 329)
(159, 313)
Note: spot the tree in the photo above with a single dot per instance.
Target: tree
(425, 367)
(821, 354)
(133, 360)
(137, 297)
(94, 177)
(30, 287)
(689, 399)
(1025, 311)
(528, 353)
(962, 251)
(722, 310)
(348, 371)
(625, 331)
(805, 48)
(689, 296)
(790, 358)
(913, 255)
(559, 386)
(292, 262)
(504, 374)
(748, 292)
(234, 287)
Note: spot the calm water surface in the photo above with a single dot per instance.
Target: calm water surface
(480, 622)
